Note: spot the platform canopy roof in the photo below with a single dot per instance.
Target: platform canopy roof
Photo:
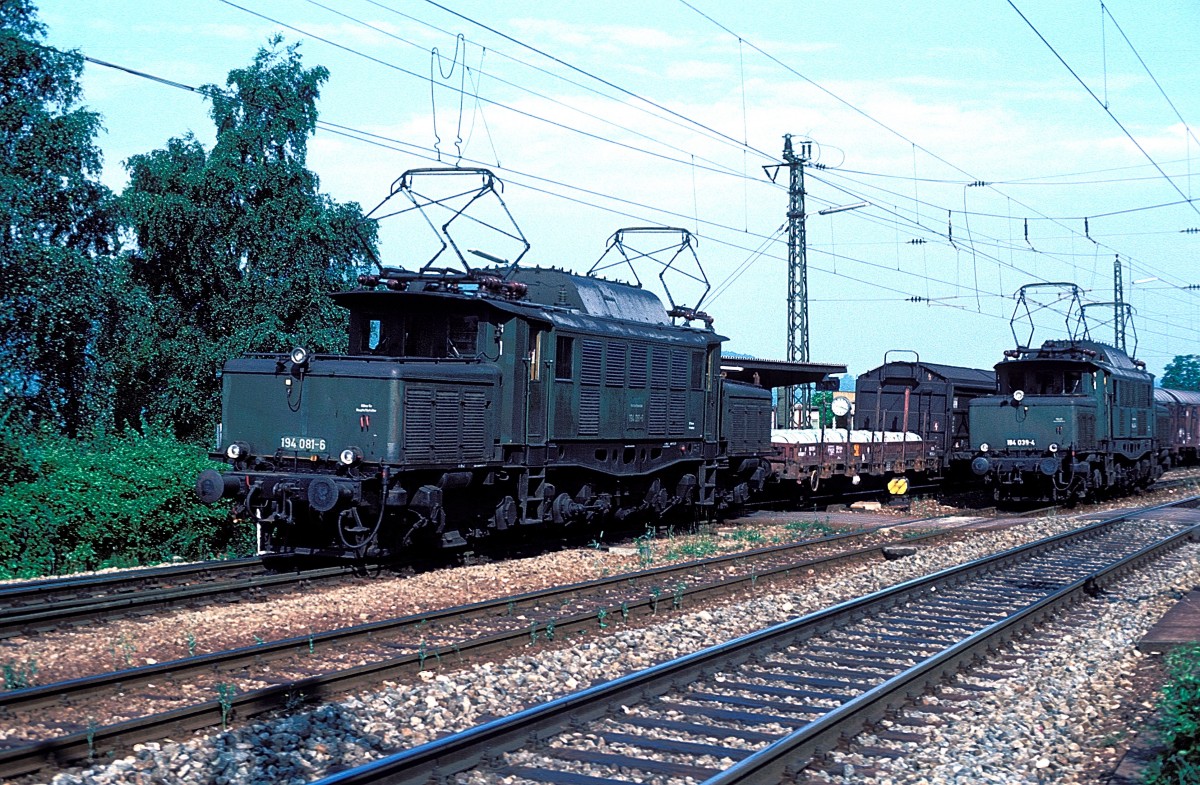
(776, 373)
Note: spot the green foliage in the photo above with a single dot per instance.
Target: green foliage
(225, 695)
(111, 501)
(1182, 373)
(56, 231)
(811, 528)
(1179, 720)
(747, 536)
(822, 404)
(237, 248)
(697, 548)
(20, 675)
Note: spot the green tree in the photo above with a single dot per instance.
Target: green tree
(1182, 373)
(55, 235)
(237, 249)
(822, 404)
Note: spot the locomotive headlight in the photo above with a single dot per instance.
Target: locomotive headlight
(237, 450)
(300, 355)
(1053, 447)
(350, 456)
(985, 447)
(1018, 395)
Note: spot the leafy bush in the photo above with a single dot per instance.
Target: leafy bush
(111, 501)
(1179, 720)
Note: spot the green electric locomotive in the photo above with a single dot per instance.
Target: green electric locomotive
(1074, 418)
(475, 402)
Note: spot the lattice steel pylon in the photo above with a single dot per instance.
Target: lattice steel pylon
(797, 304)
(1120, 314)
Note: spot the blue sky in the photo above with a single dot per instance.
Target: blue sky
(908, 103)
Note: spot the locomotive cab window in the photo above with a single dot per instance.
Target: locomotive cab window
(535, 354)
(1011, 380)
(1054, 381)
(415, 335)
(564, 357)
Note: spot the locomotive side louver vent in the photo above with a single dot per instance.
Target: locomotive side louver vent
(444, 425)
(592, 360)
(660, 367)
(657, 416)
(614, 370)
(473, 425)
(589, 411)
(678, 414)
(739, 427)
(447, 415)
(679, 369)
(638, 354)
(1087, 431)
(418, 424)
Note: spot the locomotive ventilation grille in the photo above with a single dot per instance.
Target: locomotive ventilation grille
(443, 425)
(589, 411)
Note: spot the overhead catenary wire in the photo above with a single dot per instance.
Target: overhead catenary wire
(730, 172)
(602, 80)
(509, 83)
(850, 105)
(553, 58)
(414, 150)
(1104, 106)
(430, 155)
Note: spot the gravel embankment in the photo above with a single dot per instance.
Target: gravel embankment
(1062, 716)
(300, 747)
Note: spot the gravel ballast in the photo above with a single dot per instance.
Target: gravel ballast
(301, 747)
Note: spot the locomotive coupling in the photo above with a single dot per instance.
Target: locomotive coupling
(212, 486)
(324, 493)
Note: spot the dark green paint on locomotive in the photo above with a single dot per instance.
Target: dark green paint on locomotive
(466, 407)
(1072, 418)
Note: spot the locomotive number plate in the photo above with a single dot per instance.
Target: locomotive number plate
(301, 443)
(1022, 443)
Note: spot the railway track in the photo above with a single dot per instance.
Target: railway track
(758, 708)
(88, 716)
(31, 607)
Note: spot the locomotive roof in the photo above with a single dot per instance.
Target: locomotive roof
(593, 296)
(960, 375)
(1088, 352)
(554, 297)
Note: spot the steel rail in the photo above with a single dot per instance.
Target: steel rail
(33, 618)
(29, 757)
(27, 592)
(462, 751)
(780, 760)
(34, 606)
(34, 755)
